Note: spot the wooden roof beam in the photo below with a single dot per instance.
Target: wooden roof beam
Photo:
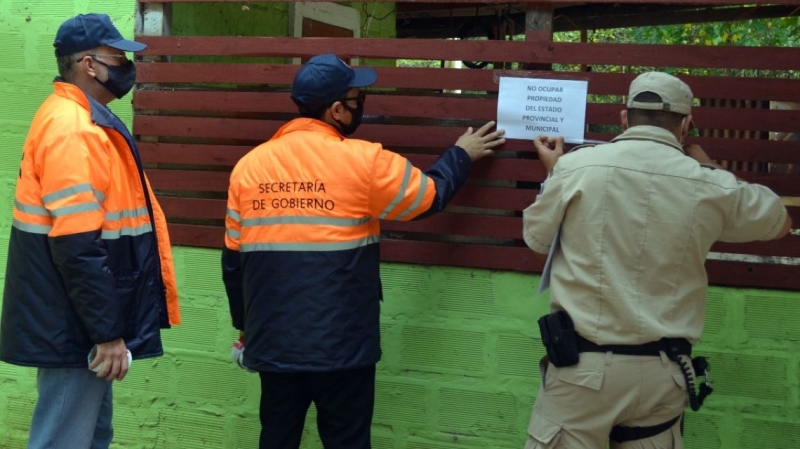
(589, 17)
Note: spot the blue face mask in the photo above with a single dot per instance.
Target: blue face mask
(120, 78)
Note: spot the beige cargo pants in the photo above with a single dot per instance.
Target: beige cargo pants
(577, 405)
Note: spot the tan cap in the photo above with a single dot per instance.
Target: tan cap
(675, 94)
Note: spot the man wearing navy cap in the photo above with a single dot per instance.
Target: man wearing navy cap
(301, 260)
(90, 53)
(89, 261)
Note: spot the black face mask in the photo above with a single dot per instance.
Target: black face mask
(356, 113)
(120, 78)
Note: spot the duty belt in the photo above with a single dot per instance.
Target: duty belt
(673, 348)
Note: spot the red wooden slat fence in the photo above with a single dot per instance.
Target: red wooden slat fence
(194, 120)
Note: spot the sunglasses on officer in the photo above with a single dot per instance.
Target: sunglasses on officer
(360, 98)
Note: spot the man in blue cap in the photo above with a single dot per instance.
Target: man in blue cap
(90, 269)
(301, 260)
(90, 53)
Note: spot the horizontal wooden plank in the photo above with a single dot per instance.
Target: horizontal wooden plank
(499, 198)
(197, 208)
(394, 136)
(741, 274)
(215, 101)
(504, 2)
(503, 227)
(283, 74)
(782, 184)
(444, 223)
(205, 127)
(217, 181)
(729, 87)
(714, 118)
(771, 58)
(461, 255)
(511, 258)
(195, 154)
(438, 21)
(391, 136)
(746, 150)
(376, 104)
(556, 3)
(471, 196)
(450, 107)
(193, 181)
(493, 168)
(742, 150)
(786, 247)
(195, 235)
(720, 149)
(494, 198)
(494, 257)
(794, 214)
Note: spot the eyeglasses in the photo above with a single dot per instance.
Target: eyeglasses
(124, 58)
(360, 98)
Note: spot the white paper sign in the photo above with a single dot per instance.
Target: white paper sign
(530, 107)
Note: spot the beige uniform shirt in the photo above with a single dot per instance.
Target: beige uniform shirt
(637, 220)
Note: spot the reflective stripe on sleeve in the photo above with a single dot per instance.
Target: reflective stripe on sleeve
(420, 195)
(400, 193)
(31, 209)
(126, 213)
(76, 209)
(113, 234)
(234, 215)
(32, 228)
(64, 193)
(101, 197)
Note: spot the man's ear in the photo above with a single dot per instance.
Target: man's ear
(623, 118)
(687, 125)
(337, 110)
(87, 64)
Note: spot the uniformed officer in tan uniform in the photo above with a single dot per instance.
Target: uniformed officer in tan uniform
(632, 223)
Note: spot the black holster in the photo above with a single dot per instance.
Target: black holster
(558, 337)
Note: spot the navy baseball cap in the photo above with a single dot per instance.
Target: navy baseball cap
(325, 78)
(86, 31)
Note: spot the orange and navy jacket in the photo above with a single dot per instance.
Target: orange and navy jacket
(89, 258)
(301, 257)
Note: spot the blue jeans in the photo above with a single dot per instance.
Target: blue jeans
(73, 410)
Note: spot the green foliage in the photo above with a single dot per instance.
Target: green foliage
(424, 63)
(781, 32)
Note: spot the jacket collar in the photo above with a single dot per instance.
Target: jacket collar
(100, 114)
(652, 133)
(308, 124)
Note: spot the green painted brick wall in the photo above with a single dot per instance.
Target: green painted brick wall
(460, 345)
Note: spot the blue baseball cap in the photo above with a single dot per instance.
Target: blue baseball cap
(325, 78)
(86, 31)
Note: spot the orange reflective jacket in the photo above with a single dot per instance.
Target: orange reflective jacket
(89, 254)
(301, 263)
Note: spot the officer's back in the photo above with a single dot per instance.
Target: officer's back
(641, 220)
